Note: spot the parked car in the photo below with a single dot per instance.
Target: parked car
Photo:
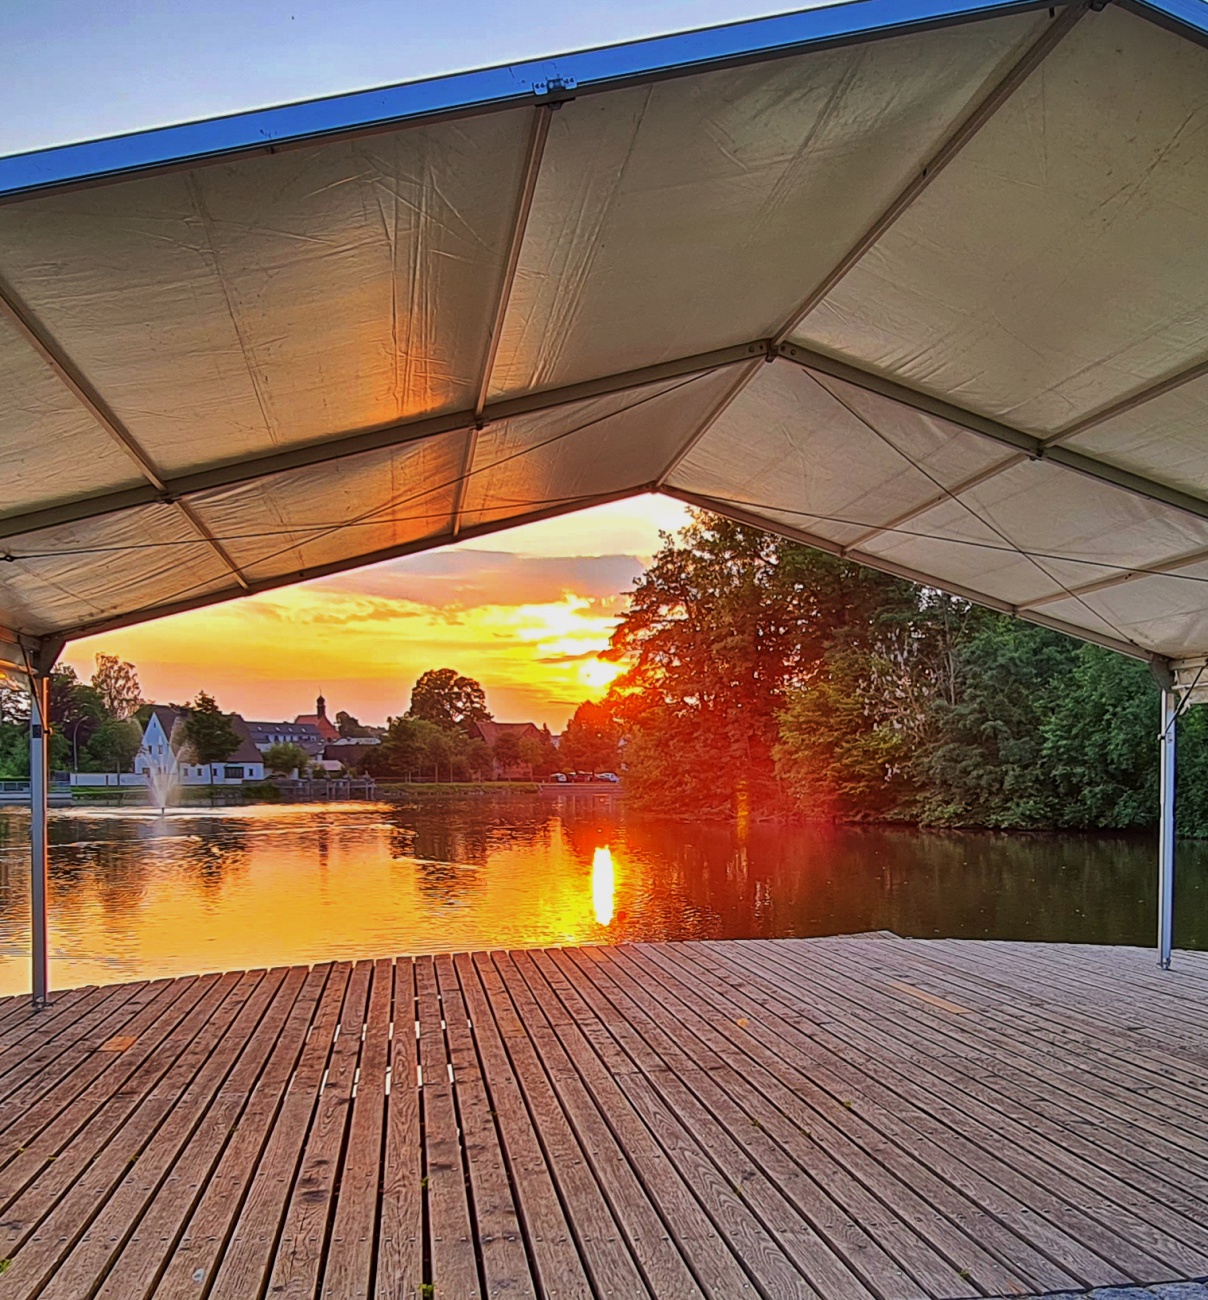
(560, 777)
(608, 776)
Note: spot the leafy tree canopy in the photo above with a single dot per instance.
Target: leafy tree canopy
(442, 696)
(285, 758)
(116, 682)
(209, 736)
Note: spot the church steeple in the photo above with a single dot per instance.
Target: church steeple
(321, 706)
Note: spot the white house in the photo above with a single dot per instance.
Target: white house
(162, 751)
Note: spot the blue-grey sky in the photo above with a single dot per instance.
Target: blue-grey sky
(78, 69)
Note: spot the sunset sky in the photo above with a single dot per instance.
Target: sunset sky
(524, 612)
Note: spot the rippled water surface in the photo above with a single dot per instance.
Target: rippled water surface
(137, 894)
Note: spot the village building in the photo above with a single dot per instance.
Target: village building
(163, 752)
(303, 734)
(491, 732)
(320, 721)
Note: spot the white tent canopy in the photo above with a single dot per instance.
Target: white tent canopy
(920, 282)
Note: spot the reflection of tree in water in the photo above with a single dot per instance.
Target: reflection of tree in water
(450, 840)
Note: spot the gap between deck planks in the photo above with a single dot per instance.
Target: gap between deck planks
(859, 1118)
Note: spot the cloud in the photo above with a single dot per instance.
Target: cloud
(454, 580)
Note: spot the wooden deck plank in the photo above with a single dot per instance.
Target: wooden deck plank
(809, 1226)
(193, 1261)
(1080, 1243)
(451, 1243)
(505, 1262)
(302, 1249)
(349, 1270)
(400, 1259)
(825, 1119)
(601, 1242)
(556, 1261)
(98, 1251)
(152, 1236)
(716, 1267)
(973, 1240)
(873, 1195)
(70, 1036)
(650, 1239)
(243, 1268)
(50, 1166)
(56, 1236)
(946, 1183)
(1098, 1167)
(68, 1097)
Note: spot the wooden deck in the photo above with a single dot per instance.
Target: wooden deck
(834, 1118)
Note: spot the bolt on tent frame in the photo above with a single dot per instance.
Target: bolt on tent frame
(917, 282)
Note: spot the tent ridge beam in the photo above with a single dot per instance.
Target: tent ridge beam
(1161, 569)
(61, 365)
(966, 129)
(530, 174)
(1029, 444)
(1130, 403)
(414, 547)
(379, 438)
(741, 515)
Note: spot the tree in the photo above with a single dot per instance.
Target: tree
(116, 682)
(592, 740)
(286, 757)
(115, 744)
(410, 748)
(506, 750)
(450, 701)
(537, 753)
(723, 625)
(350, 728)
(208, 734)
(76, 711)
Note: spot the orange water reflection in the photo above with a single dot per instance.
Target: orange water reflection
(136, 895)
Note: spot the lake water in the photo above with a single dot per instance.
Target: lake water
(136, 894)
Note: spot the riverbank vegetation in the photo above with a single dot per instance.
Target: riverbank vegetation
(767, 678)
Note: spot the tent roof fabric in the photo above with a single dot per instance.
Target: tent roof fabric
(920, 283)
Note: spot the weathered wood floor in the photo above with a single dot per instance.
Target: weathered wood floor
(836, 1118)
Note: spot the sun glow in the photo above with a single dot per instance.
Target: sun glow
(603, 885)
(596, 674)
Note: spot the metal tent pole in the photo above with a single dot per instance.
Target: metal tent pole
(39, 782)
(1170, 709)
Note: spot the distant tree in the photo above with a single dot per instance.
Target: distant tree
(286, 757)
(208, 734)
(116, 682)
(449, 700)
(76, 711)
(475, 759)
(410, 749)
(592, 740)
(115, 743)
(507, 751)
(536, 754)
(350, 728)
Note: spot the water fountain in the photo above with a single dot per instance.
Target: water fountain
(162, 781)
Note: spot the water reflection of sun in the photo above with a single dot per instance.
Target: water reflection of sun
(603, 885)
